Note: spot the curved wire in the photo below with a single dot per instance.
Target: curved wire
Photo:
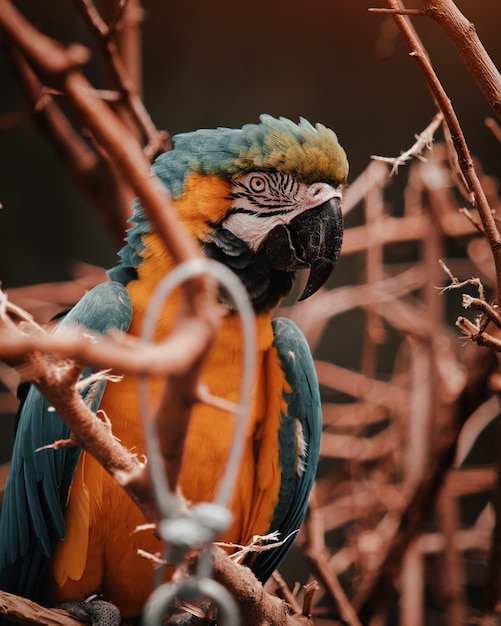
(167, 501)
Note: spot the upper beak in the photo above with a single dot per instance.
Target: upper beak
(312, 239)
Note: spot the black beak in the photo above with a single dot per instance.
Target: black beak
(313, 239)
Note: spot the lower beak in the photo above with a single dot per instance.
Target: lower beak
(313, 239)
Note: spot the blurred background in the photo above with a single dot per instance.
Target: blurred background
(223, 64)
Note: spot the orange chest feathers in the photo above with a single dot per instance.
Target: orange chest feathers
(100, 552)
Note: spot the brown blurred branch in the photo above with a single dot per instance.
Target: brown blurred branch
(256, 606)
(60, 67)
(492, 589)
(22, 611)
(449, 420)
(451, 565)
(464, 36)
(106, 37)
(316, 553)
(93, 174)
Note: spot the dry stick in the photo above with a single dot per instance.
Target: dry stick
(376, 173)
(492, 588)
(22, 611)
(57, 383)
(309, 591)
(451, 564)
(374, 331)
(316, 554)
(465, 161)
(412, 588)
(123, 353)
(122, 81)
(281, 590)
(372, 497)
(257, 607)
(423, 141)
(494, 127)
(94, 176)
(464, 36)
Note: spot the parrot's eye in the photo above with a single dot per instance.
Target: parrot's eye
(257, 184)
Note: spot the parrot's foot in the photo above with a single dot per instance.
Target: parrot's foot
(99, 611)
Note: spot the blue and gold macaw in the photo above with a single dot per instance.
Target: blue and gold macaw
(264, 200)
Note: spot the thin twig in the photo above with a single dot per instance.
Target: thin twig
(424, 141)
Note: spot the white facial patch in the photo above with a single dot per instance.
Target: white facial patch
(263, 200)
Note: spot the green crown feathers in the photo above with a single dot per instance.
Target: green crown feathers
(306, 152)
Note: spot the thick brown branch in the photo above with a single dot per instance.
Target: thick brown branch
(464, 36)
(23, 611)
(93, 174)
(106, 37)
(122, 353)
(492, 589)
(57, 384)
(256, 606)
(56, 381)
(464, 157)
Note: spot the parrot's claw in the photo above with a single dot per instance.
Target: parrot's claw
(99, 611)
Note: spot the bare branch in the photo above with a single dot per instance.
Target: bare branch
(105, 35)
(424, 141)
(23, 611)
(464, 36)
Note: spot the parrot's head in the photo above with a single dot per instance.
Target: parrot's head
(265, 200)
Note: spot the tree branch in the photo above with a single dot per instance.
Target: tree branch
(464, 36)
(22, 611)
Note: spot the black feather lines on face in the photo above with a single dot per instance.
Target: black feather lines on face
(265, 285)
(277, 195)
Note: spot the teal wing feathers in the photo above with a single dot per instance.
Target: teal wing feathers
(32, 516)
(299, 442)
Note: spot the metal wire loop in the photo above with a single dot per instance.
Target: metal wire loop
(238, 294)
(208, 520)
